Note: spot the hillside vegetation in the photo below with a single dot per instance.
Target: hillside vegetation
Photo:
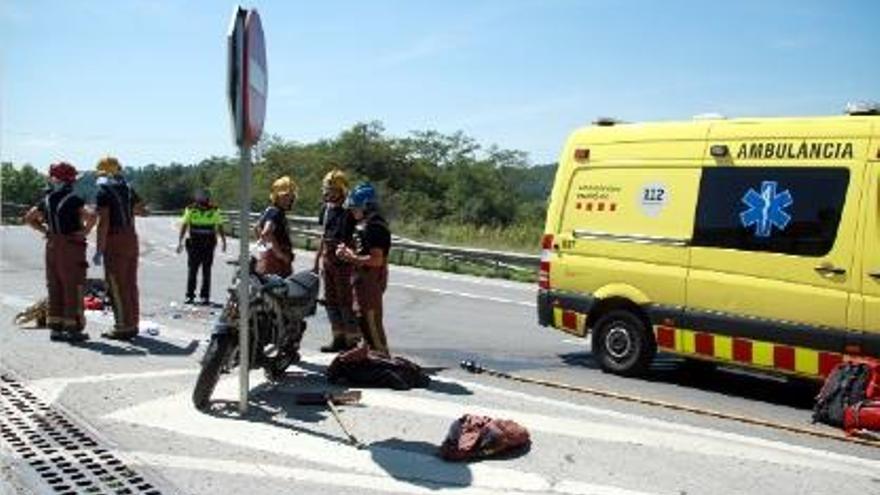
(439, 187)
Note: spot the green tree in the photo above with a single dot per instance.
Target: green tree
(24, 186)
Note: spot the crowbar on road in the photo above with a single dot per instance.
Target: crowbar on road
(476, 368)
(330, 400)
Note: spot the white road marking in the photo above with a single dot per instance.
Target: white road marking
(379, 483)
(50, 389)
(715, 441)
(175, 413)
(470, 279)
(467, 295)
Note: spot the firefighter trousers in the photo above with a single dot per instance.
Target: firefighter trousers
(65, 279)
(369, 289)
(120, 271)
(338, 299)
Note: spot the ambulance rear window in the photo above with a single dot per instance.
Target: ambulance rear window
(778, 209)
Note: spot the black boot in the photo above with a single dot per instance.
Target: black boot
(338, 344)
(76, 335)
(121, 334)
(57, 334)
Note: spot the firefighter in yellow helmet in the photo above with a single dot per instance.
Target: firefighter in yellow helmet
(275, 251)
(117, 203)
(338, 224)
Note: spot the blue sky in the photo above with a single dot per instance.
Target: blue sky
(145, 79)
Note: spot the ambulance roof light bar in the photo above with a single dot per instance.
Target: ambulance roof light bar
(862, 108)
(709, 116)
(607, 121)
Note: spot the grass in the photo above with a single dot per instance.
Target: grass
(517, 238)
(451, 264)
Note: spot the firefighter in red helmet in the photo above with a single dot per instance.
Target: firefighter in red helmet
(63, 218)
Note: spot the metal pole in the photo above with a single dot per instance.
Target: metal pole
(244, 276)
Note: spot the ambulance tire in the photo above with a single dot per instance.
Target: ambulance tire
(622, 343)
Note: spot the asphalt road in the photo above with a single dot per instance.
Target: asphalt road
(132, 401)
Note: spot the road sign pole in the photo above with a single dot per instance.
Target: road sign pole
(244, 276)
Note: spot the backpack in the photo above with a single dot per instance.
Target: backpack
(365, 368)
(475, 437)
(846, 386)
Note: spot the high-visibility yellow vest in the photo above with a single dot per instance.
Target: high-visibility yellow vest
(202, 221)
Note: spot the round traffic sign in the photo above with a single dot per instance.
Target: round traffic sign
(256, 78)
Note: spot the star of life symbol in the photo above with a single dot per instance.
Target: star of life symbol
(766, 209)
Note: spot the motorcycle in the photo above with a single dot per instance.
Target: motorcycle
(278, 309)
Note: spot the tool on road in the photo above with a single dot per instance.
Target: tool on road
(330, 400)
(476, 368)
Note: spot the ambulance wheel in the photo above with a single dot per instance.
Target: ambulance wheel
(622, 343)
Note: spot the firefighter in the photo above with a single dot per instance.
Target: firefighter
(204, 222)
(371, 243)
(275, 250)
(117, 204)
(338, 226)
(62, 216)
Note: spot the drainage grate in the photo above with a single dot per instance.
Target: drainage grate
(61, 454)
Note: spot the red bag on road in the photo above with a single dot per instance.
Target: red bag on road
(93, 303)
(475, 437)
(863, 416)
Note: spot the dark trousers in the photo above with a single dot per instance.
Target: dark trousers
(65, 278)
(369, 288)
(200, 254)
(120, 270)
(338, 296)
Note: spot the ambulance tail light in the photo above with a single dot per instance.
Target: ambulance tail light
(544, 271)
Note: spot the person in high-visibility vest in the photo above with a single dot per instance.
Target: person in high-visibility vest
(204, 222)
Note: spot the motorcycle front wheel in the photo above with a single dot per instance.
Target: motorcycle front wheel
(212, 364)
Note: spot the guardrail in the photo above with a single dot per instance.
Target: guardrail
(307, 231)
(408, 251)
(11, 213)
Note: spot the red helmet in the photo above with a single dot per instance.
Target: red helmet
(63, 172)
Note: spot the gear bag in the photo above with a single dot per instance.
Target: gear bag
(863, 416)
(365, 368)
(848, 385)
(475, 437)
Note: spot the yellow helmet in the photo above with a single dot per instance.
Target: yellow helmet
(336, 179)
(108, 166)
(283, 185)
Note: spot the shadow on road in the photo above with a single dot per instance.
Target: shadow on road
(417, 463)
(448, 388)
(139, 346)
(710, 377)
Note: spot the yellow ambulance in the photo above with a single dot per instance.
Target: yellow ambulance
(751, 242)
